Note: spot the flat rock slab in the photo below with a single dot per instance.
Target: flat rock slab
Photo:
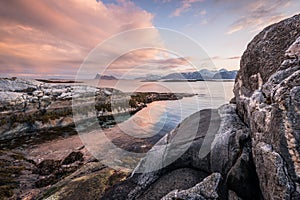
(181, 179)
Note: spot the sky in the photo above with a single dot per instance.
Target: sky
(52, 39)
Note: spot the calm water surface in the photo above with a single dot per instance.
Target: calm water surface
(163, 116)
(141, 131)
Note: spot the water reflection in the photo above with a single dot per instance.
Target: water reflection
(147, 122)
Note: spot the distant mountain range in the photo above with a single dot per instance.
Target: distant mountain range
(225, 74)
(105, 77)
(184, 76)
(149, 77)
(203, 74)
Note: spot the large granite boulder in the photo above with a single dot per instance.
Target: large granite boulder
(262, 58)
(267, 92)
(211, 141)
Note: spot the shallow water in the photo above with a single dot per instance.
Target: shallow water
(141, 131)
(124, 144)
(160, 117)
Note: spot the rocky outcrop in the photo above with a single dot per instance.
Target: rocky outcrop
(203, 138)
(17, 85)
(21, 177)
(267, 95)
(51, 171)
(262, 58)
(28, 106)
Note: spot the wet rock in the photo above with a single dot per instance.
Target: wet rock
(13, 173)
(45, 181)
(38, 93)
(233, 196)
(47, 167)
(80, 147)
(52, 171)
(89, 182)
(73, 157)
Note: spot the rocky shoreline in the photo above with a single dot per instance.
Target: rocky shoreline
(31, 108)
(248, 149)
(37, 115)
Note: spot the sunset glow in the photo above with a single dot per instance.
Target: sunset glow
(52, 38)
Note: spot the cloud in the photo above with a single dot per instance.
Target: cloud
(184, 7)
(52, 37)
(203, 12)
(147, 60)
(222, 58)
(258, 14)
(204, 22)
(234, 58)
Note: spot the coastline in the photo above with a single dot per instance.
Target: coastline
(36, 146)
(32, 120)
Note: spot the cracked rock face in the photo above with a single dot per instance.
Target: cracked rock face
(263, 57)
(267, 91)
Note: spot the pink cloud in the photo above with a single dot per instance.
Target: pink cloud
(258, 14)
(48, 37)
(185, 5)
(147, 60)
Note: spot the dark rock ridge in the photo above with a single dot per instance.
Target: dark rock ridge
(253, 145)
